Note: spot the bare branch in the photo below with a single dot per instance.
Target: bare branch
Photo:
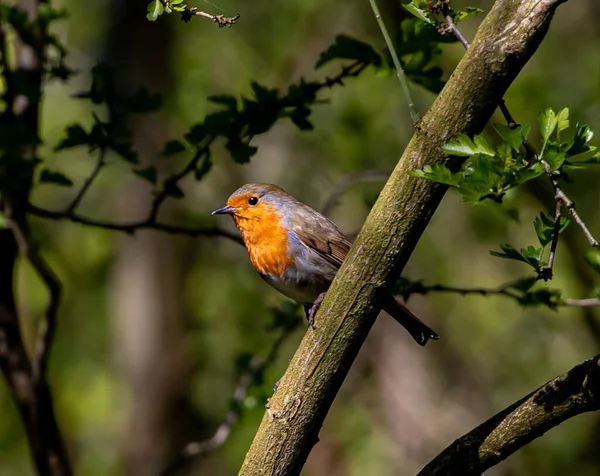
(576, 392)
(221, 20)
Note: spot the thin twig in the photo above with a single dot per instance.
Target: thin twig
(88, 182)
(562, 197)
(507, 290)
(132, 227)
(174, 179)
(256, 368)
(349, 179)
(457, 32)
(546, 273)
(222, 20)
(414, 114)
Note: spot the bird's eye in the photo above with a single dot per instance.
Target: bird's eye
(252, 201)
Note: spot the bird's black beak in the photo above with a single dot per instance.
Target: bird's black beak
(226, 210)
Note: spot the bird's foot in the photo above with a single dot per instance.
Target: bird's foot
(312, 311)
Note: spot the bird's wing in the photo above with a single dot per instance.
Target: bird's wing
(323, 237)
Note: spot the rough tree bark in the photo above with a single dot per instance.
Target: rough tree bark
(505, 41)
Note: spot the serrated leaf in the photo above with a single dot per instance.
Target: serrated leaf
(203, 169)
(299, 117)
(547, 122)
(196, 134)
(173, 147)
(544, 227)
(148, 173)
(562, 121)
(155, 8)
(437, 173)
(513, 136)
(592, 257)
(468, 12)
(76, 135)
(524, 284)
(583, 134)
(346, 47)
(229, 101)
(240, 151)
(142, 102)
(172, 190)
(529, 255)
(58, 178)
(463, 146)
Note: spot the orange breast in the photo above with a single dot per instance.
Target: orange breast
(267, 242)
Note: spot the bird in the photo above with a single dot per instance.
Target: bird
(298, 251)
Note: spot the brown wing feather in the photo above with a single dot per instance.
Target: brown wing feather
(323, 236)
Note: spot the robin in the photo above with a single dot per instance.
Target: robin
(298, 251)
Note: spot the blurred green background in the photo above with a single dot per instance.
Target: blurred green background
(152, 325)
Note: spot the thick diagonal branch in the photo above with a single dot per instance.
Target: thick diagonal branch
(505, 41)
(576, 392)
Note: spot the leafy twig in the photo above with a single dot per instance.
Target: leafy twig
(546, 272)
(550, 298)
(250, 377)
(559, 194)
(133, 226)
(414, 114)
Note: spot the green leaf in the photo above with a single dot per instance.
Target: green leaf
(76, 135)
(148, 173)
(418, 8)
(547, 123)
(172, 190)
(203, 168)
(126, 151)
(229, 101)
(592, 257)
(173, 147)
(562, 121)
(529, 255)
(346, 47)
(142, 102)
(468, 12)
(299, 117)
(58, 178)
(583, 134)
(155, 8)
(196, 134)
(514, 136)
(240, 151)
(544, 227)
(463, 146)
(437, 173)
(524, 284)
